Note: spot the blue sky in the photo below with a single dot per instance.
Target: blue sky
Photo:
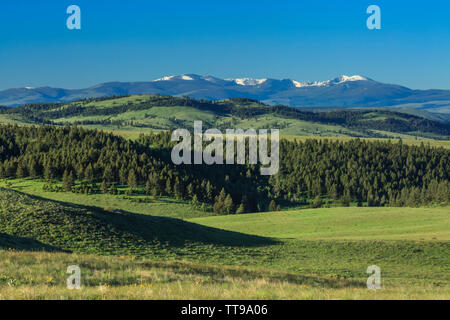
(144, 40)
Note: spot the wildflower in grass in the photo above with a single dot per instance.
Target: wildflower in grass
(12, 282)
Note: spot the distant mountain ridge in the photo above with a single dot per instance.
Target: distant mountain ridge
(343, 91)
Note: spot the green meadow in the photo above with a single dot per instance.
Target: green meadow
(298, 254)
(419, 224)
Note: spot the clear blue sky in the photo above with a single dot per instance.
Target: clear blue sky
(132, 40)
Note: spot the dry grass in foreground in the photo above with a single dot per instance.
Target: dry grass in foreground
(42, 275)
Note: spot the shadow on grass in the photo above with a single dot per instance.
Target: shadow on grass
(171, 232)
(210, 274)
(176, 232)
(8, 241)
(220, 274)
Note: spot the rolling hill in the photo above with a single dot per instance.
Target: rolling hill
(75, 228)
(155, 112)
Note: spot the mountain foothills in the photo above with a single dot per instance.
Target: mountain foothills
(344, 91)
(145, 113)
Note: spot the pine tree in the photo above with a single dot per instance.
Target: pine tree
(104, 187)
(132, 181)
(209, 192)
(155, 193)
(178, 189)
(190, 190)
(345, 200)
(33, 169)
(317, 203)
(48, 172)
(272, 206)
(108, 175)
(194, 201)
(123, 175)
(148, 187)
(228, 205)
(89, 173)
(219, 204)
(168, 188)
(67, 181)
(21, 171)
(240, 209)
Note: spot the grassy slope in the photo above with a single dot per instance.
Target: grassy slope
(342, 223)
(92, 230)
(12, 119)
(163, 206)
(331, 263)
(289, 126)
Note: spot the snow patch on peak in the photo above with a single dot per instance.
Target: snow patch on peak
(247, 81)
(345, 78)
(30, 88)
(168, 78)
(335, 81)
(185, 77)
(302, 84)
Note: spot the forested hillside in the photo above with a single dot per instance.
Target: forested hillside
(312, 172)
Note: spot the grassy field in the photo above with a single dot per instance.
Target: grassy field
(306, 254)
(26, 275)
(420, 224)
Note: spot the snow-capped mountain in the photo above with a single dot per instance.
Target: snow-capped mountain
(343, 91)
(256, 82)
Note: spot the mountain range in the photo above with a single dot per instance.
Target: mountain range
(341, 92)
